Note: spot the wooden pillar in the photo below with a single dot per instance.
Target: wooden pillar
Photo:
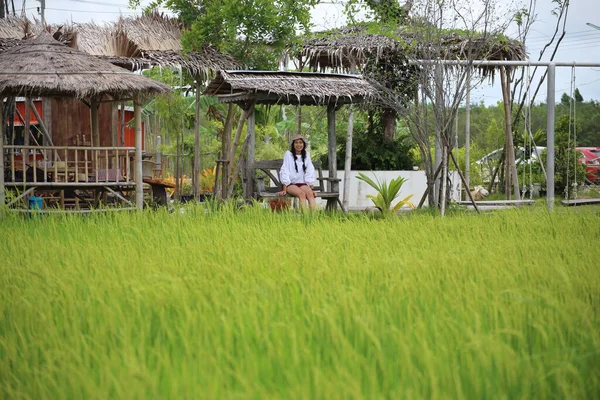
(47, 118)
(511, 175)
(331, 147)
(196, 169)
(114, 124)
(95, 123)
(348, 161)
(2, 193)
(26, 125)
(250, 152)
(139, 190)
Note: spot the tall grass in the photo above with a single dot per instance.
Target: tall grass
(250, 304)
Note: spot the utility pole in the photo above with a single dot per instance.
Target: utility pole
(42, 11)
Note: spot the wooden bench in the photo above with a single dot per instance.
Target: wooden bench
(264, 169)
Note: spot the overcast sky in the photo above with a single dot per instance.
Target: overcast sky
(581, 44)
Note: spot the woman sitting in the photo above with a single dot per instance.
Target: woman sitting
(297, 173)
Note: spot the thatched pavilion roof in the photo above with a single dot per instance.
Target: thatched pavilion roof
(267, 87)
(149, 40)
(347, 48)
(47, 68)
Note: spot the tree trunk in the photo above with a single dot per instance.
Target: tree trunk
(389, 117)
(509, 150)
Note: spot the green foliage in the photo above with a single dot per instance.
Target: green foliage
(370, 151)
(253, 31)
(386, 194)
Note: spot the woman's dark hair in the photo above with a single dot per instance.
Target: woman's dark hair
(303, 154)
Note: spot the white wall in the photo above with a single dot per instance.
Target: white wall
(415, 185)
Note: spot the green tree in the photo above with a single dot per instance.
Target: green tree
(254, 31)
(578, 96)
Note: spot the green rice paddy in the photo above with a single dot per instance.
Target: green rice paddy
(251, 304)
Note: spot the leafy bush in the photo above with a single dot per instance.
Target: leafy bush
(371, 152)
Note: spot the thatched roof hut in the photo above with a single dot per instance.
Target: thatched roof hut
(267, 87)
(347, 48)
(149, 40)
(45, 67)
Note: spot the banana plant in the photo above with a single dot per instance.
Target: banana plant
(386, 194)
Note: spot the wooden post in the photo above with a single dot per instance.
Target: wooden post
(225, 149)
(250, 152)
(114, 126)
(348, 161)
(26, 128)
(444, 181)
(331, 147)
(95, 123)
(139, 190)
(196, 169)
(2, 193)
(511, 175)
(46, 121)
(44, 128)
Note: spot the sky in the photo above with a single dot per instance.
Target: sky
(581, 43)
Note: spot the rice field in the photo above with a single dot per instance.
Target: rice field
(254, 305)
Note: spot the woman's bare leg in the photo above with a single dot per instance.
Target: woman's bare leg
(310, 196)
(295, 191)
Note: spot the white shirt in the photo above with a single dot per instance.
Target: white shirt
(288, 174)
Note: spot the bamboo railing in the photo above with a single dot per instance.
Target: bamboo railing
(68, 166)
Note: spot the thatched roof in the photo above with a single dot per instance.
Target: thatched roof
(15, 28)
(347, 48)
(268, 87)
(47, 68)
(155, 39)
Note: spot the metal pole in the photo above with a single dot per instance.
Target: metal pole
(550, 105)
(439, 106)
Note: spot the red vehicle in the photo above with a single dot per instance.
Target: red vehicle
(591, 159)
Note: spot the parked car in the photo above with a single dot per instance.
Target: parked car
(487, 163)
(590, 157)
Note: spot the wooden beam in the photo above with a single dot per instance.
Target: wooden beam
(331, 148)
(114, 124)
(95, 123)
(43, 126)
(196, 170)
(139, 189)
(348, 161)
(26, 122)
(250, 152)
(2, 192)
(46, 117)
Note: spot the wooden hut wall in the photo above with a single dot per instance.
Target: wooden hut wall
(71, 124)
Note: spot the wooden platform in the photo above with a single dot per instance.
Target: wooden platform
(498, 203)
(579, 202)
